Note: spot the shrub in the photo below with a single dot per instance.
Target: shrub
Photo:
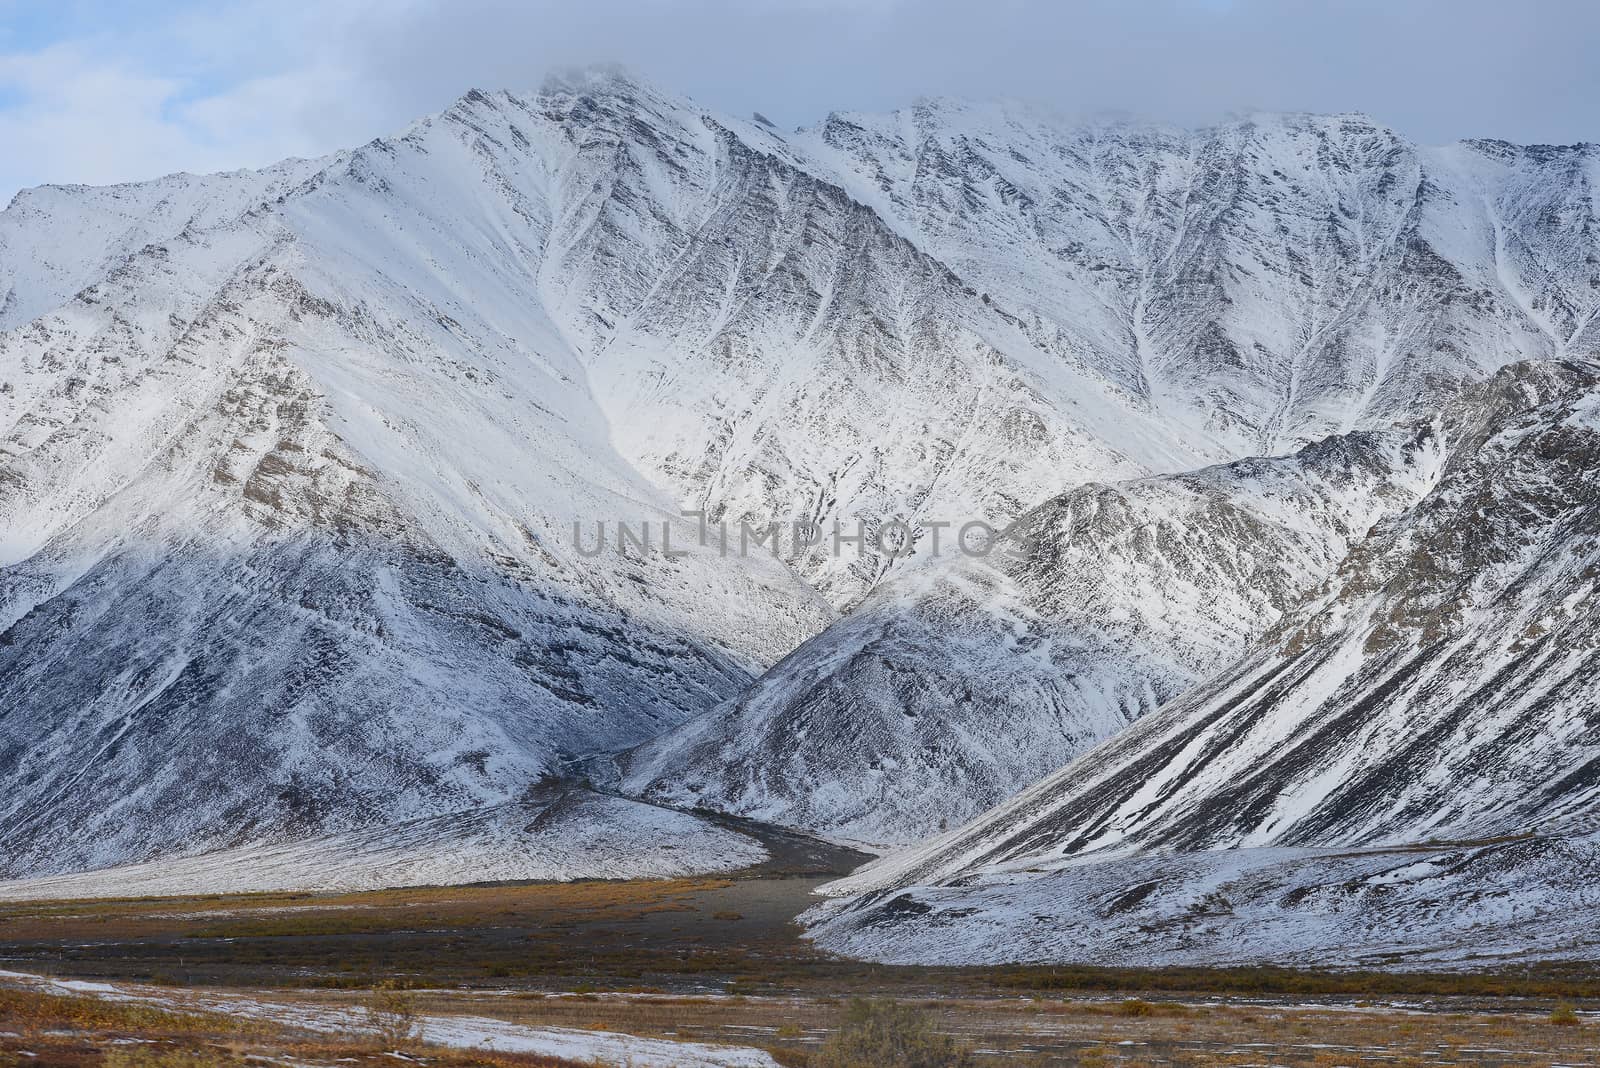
(1564, 1016)
(392, 1016)
(887, 1034)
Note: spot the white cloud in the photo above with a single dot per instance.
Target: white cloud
(218, 90)
(75, 119)
(219, 84)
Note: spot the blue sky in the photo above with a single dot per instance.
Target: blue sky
(92, 91)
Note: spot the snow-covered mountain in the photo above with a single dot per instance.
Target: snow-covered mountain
(953, 687)
(1255, 285)
(1261, 283)
(290, 459)
(1435, 708)
(288, 508)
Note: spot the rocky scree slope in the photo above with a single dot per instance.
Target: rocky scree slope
(954, 686)
(1432, 709)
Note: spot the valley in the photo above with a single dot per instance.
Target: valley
(718, 963)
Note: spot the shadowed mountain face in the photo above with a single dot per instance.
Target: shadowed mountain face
(289, 460)
(1440, 688)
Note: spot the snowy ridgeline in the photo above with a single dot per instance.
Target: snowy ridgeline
(290, 462)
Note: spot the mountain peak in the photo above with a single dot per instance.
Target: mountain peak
(591, 78)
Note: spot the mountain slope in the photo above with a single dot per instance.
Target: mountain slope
(1253, 284)
(57, 240)
(279, 568)
(949, 689)
(1264, 282)
(1440, 689)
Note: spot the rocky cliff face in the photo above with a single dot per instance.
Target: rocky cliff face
(1261, 283)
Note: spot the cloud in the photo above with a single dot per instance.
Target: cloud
(200, 91)
(81, 119)
(1436, 69)
(241, 82)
